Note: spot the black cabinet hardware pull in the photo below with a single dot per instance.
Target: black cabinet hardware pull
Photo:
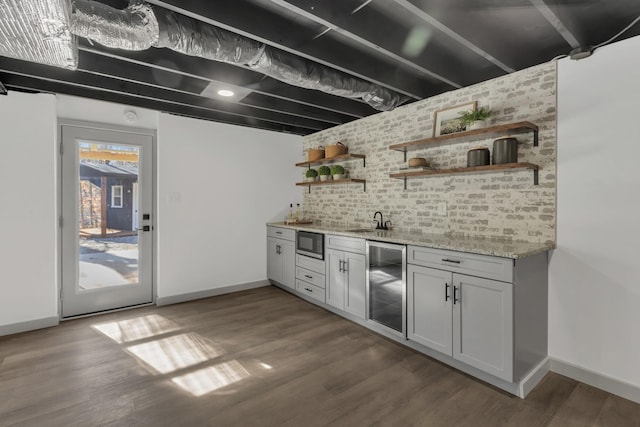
(455, 295)
(340, 270)
(308, 290)
(278, 232)
(454, 261)
(345, 264)
(308, 277)
(446, 291)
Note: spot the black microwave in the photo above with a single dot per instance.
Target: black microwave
(310, 244)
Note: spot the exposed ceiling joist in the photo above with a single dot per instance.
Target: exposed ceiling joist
(264, 25)
(184, 66)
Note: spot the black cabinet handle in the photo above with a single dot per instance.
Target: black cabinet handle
(455, 295)
(345, 264)
(446, 291)
(278, 232)
(340, 269)
(453, 261)
(308, 277)
(308, 290)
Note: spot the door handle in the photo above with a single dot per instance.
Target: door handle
(278, 249)
(453, 261)
(340, 268)
(345, 265)
(144, 228)
(308, 277)
(455, 295)
(446, 291)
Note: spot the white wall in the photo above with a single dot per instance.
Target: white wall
(90, 110)
(28, 214)
(218, 186)
(594, 296)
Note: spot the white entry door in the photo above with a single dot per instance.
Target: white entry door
(107, 231)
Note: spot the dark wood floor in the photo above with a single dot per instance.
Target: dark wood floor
(260, 358)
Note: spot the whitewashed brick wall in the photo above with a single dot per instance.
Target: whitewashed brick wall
(496, 204)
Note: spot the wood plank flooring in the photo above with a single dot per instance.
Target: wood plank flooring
(261, 358)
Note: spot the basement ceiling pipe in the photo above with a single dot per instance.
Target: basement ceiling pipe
(141, 26)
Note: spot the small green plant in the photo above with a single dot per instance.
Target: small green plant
(311, 173)
(337, 170)
(482, 113)
(324, 170)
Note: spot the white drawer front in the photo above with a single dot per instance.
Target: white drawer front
(312, 264)
(281, 233)
(461, 262)
(348, 244)
(310, 290)
(312, 277)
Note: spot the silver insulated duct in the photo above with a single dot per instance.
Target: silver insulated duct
(140, 26)
(38, 31)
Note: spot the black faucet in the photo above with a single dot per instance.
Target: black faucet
(381, 224)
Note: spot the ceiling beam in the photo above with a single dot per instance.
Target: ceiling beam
(105, 84)
(268, 27)
(406, 4)
(555, 21)
(32, 84)
(167, 60)
(322, 12)
(128, 71)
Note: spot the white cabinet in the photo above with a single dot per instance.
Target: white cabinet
(429, 311)
(483, 324)
(281, 258)
(310, 277)
(346, 278)
(466, 317)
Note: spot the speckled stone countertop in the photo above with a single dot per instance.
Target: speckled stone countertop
(475, 245)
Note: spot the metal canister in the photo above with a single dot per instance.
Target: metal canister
(478, 157)
(505, 150)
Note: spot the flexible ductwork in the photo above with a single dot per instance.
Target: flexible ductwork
(38, 31)
(141, 26)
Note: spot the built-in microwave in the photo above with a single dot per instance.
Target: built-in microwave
(310, 244)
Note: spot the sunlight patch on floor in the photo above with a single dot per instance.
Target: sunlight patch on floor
(206, 380)
(137, 328)
(176, 352)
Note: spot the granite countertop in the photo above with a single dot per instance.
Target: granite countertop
(476, 245)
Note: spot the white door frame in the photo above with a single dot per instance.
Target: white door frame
(108, 127)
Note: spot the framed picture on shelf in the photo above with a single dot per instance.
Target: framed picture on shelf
(449, 121)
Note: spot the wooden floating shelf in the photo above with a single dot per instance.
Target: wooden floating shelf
(333, 182)
(453, 171)
(340, 158)
(469, 135)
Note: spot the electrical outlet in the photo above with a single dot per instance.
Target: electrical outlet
(441, 209)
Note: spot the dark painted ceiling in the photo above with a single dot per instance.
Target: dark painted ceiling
(418, 48)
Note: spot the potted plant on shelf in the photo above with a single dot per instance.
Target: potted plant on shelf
(476, 119)
(311, 175)
(324, 173)
(338, 172)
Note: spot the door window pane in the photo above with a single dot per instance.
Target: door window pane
(107, 240)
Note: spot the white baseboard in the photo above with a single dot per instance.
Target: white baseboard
(595, 379)
(174, 299)
(31, 325)
(532, 379)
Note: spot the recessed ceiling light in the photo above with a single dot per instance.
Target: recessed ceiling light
(225, 92)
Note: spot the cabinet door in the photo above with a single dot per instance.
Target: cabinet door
(483, 324)
(288, 259)
(355, 283)
(274, 261)
(429, 308)
(335, 279)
